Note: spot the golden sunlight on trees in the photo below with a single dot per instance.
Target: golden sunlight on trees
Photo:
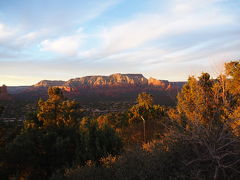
(54, 137)
(147, 114)
(145, 99)
(232, 91)
(232, 71)
(212, 101)
(58, 112)
(196, 100)
(209, 110)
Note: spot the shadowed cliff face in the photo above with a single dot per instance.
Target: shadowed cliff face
(3, 90)
(4, 93)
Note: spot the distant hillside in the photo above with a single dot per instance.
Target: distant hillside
(17, 89)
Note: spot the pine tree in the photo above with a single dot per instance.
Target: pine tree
(56, 111)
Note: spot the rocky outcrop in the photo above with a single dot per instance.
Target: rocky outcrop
(48, 83)
(116, 87)
(112, 80)
(128, 79)
(156, 82)
(3, 90)
(4, 93)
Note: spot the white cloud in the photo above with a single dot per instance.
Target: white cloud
(42, 21)
(6, 32)
(145, 29)
(189, 6)
(31, 36)
(175, 42)
(27, 39)
(66, 45)
(15, 39)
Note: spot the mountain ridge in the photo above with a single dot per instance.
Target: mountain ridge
(100, 89)
(113, 80)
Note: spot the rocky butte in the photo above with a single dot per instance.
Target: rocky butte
(48, 83)
(114, 80)
(4, 93)
(115, 87)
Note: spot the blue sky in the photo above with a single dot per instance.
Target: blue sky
(165, 39)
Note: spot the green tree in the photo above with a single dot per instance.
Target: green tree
(116, 120)
(55, 94)
(55, 137)
(145, 99)
(196, 100)
(100, 140)
(143, 108)
(36, 154)
(150, 115)
(32, 121)
(58, 112)
(231, 94)
(206, 110)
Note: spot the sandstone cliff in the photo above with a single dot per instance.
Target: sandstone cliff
(48, 83)
(155, 82)
(112, 80)
(116, 87)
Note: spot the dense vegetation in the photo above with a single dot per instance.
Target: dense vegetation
(197, 139)
(55, 137)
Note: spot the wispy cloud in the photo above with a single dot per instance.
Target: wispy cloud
(170, 42)
(157, 28)
(65, 45)
(31, 37)
(45, 22)
(6, 32)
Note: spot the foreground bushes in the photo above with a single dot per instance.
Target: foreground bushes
(193, 154)
(37, 153)
(138, 164)
(55, 137)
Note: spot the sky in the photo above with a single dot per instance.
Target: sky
(164, 39)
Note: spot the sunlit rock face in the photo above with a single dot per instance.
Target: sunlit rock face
(156, 82)
(48, 83)
(113, 88)
(127, 79)
(112, 80)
